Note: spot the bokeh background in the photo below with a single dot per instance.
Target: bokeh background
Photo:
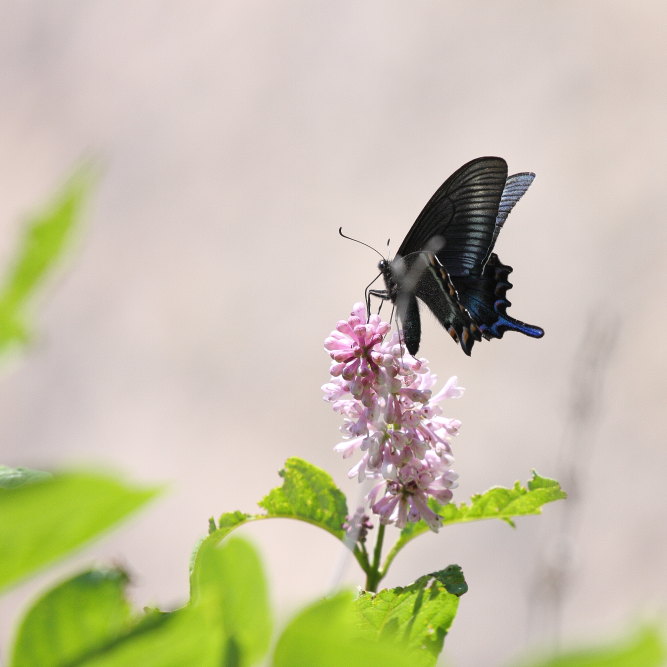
(182, 342)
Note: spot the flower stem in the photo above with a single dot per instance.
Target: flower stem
(374, 575)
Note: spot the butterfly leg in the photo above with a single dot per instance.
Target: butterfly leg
(382, 294)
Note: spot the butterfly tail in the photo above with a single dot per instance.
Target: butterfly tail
(506, 323)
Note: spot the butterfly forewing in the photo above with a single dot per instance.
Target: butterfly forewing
(463, 213)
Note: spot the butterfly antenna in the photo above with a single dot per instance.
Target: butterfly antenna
(349, 238)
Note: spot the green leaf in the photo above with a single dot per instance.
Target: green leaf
(43, 244)
(645, 647)
(225, 623)
(307, 494)
(231, 520)
(505, 504)
(417, 616)
(496, 503)
(46, 519)
(327, 634)
(453, 580)
(228, 583)
(161, 639)
(72, 619)
(12, 478)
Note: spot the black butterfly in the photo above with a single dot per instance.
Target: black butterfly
(446, 260)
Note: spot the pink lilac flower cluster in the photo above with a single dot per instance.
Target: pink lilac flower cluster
(392, 417)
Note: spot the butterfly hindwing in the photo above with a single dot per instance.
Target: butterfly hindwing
(484, 298)
(515, 188)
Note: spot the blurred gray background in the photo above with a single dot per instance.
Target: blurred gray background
(182, 342)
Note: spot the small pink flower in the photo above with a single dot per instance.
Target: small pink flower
(391, 416)
(357, 525)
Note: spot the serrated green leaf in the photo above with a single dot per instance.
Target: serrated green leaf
(644, 648)
(417, 616)
(12, 478)
(309, 494)
(452, 579)
(496, 503)
(45, 239)
(228, 583)
(506, 504)
(230, 520)
(328, 634)
(73, 619)
(46, 519)
(537, 482)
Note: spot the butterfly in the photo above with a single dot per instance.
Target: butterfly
(447, 259)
